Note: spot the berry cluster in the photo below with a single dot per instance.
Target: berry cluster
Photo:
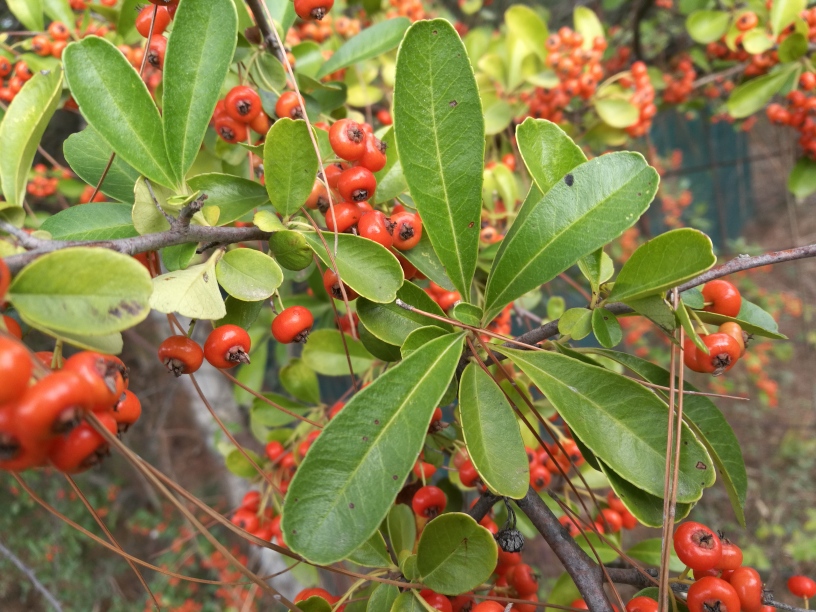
(44, 183)
(445, 299)
(642, 97)
(799, 113)
(240, 110)
(412, 9)
(256, 518)
(679, 84)
(727, 345)
(16, 73)
(225, 347)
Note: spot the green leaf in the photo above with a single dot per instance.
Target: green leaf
(391, 323)
(684, 319)
(365, 266)
(371, 42)
(290, 165)
(409, 601)
(233, 196)
(22, 128)
(300, 381)
(528, 26)
(455, 554)
(109, 344)
(315, 604)
(707, 26)
(382, 598)
(597, 267)
(381, 350)
(467, 313)
(616, 112)
(390, 180)
(751, 318)
(419, 338)
(29, 12)
(83, 291)
(147, 218)
(492, 434)
(802, 179)
(753, 95)
(646, 508)
(240, 313)
(662, 263)
(593, 205)
(126, 25)
(606, 327)
(425, 259)
(192, 292)
(325, 353)
(440, 137)
(249, 275)
(107, 221)
(656, 310)
(116, 102)
(793, 47)
(372, 553)
(564, 591)
(576, 322)
(649, 551)
(401, 528)
(547, 152)
(238, 464)
(283, 14)
(88, 155)
(199, 53)
(709, 425)
(757, 41)
(343, 490)
(620, 421)
(588, 25)
(269, 416)
(606, 553)
(784, 13)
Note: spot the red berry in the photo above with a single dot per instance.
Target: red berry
(260, 124)
(722, 297)
(641, 604)
(41, 45)
(690, 355)
(288, 105)
(375, 226)
(318, 199)
(522, 579)
(735, 331)
(347, 140)
(697, 546)
(105, 376)
(384, 117)
(436, 600)
(374, 157)
(468, 475)
(243, 104)
(731, 555)
(230, 130)
(332, 174)
(144, 18)
(748, 585)
(342, 217)
(274, 450)
(356, 184)
(292, 325)
(747, 21)
(612, 520)
(83, 448)
(540, 477)
(489, 606)
(723, 354)
(314, 592)
(156, 50)
(332, 285)
(53, 405)
(15, 370)
(802, 586)
(18, 452)
(181, 355)
(13, 327)
(429, 501)
(710, 593)
(127, 411)
(227, 346)
(58, 31)
(313, 9)
(407, 230)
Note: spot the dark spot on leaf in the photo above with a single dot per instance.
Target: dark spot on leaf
(569, 180)
(365, 438)
(294, 531)
(701, 466)
(433, 32)
(114, 312)
(452, 103)
(685, 443)
(394, 477)
(638, 194)
(206, 277)
(351, 506)
(470, 225)
(376, 421)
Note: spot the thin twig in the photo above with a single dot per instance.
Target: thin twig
(29, 573)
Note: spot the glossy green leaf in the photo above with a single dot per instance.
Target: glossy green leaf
(267, 415)
(753, 95)
(467, 313)
(707, 26)
(382, 598)
(657, 310)
(198, 57)
(684, 319)
(597, 267)
(492, 434)
(620, 421)
(300, 381)
(793, 47)
(267, 221)
(424, 258)
(455, 554)
(371, 42)
(528, 26)
(564, 591)
(576, 323)
(191, 293)
(349, 479)
(178, 257)
(784, 12)
(709, 425)
(751, 318)
(757, 41)
(110, 344)
(147, 218)
(588, 25)
(107, 221)
(645, 507)
(290, 165)
(409, 601)
(617, 112)
(391, 323)
(390, 180)
(116, 102)
(649, 551)
(283, 14)
(372, 553)
(22, 128)
(326, 354)
(237, 463)
(315, 604)
(88, 154)
(606, 328)
(58, 10)
(365, 266)
(401, 528)
(240, 313)
(419, 338)
(594, 204)
(662, 263)
(126, 25)
(440, 137)
(232, 195)
(802, 179)
(29, 13)
(249, 275)
(381, 350)
(82, 290)
(547, 152)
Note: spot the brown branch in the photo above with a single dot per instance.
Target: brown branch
(269, 39)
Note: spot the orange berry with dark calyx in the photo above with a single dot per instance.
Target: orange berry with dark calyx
(16, 369)
(313, 9)
(356, 184)
(641, 604)
(540, 477)
(181, 355)
(407, 230)
(227, 346)
(735, 331)
(41, 45)
(18, 452)
(342, 217)
(83, 448)
(747, 21)
(697, 546)
(59, 31)
(723, 353)
(292, 325)
(127, 411)
(5, 67)
(347, 139)
(230, 130)
(374, 156)
(711, 593)
(288, 105)
(722, 298)
(319, 198)
(376, 226)
(332, 285)
(243, 104)
(145, 16)
(260, 124)
(54, 405)
(104, 374)
(156, 51)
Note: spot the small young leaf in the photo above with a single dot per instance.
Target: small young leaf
(372, 553)
(382, 598)
(526, 24)
(576, 322)
(248, 275)
(331, 507)
(29, 12)
(588, 25)
(290, 165)
(300, 381)
(547, 152)
(802, 179)
(707, 26)
(107, 221)
(784, 12)
(455, 554)
(492, 434)
(371, 42)
(326, 354)
(232, 195)
(401, 528)
(192, 292)
(606, 327)
(88, 155)
(616, 112)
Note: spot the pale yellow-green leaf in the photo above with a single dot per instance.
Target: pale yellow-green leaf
(191, 293)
